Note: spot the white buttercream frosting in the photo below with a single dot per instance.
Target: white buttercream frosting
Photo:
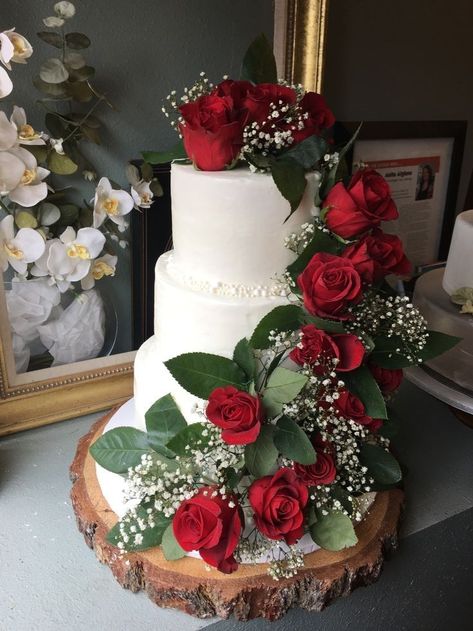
(459, 270)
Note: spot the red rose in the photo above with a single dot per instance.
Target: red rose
(323, 471)
(330, 284)
(317, 114)
(236, 89)
(377, 255)
(361, 206)
(237, 413)
(351, 407)
(259, 99)
(278, 502)
(388, 379)
(211, 525)
(318, 349)
(212, 131)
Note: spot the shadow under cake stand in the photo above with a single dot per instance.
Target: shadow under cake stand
(249, 592)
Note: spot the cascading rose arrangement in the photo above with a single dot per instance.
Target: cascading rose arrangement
(295, 428)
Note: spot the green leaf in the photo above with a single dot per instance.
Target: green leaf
(362, 384)
(160, 157)
(57, 90)
(391, 425)
(243, 356)
(171, 549)
(74, 61)
(259, 64)
(80, 91)
(61, 164)
(40, 152)
(163, 421)
(200, 373)
(462, 296)
(261, 456)
(53, 71)
(333, 532)
(119, 449)
(53, 39)
(335, 172)
(437, 344)
(293, 442)
(69, 214)
(55, 124)
(191, 436)
(81, 74)
(289, 177)
(282, 387)
(320, 242)
(324, 325)
(151, 536)
(340, 494)
(77, 41)
(25, 219)
(381, 464)
(386, 355)
(283, 318)
(308, 152)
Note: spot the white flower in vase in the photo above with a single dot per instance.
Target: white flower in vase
(104, 266)
(21, 353)
(7, 50)
(8, 133)
(6, 85)
(56, 144)
(18, 250)
(31, 189)
(110, 203)
(140, 189)
(26, 134)
(11, 172)
(22, 49)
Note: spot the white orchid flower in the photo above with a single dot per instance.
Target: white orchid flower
(110, 203)
(56, 144)
(7, 50)
(31, 189)
(103, 266)
(26, 134)
(18, 250)
(6, 85)
(140, 189)
(55, 263)
(8, 133)
(22, 49)
(11, 172)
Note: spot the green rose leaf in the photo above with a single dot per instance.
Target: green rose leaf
(77, 41)
(340, 494)
(160, 157)
(320, 242)
(53, 71)
(391, 425)
(381, 464)
(243, 356)
(53, 39)
(282, 387)
(330, 326)
(200, 373)
(438, 343)
(362, 384)
(163, 421)
(259, 64)
(289, 177)
(151, 536)
(390, 353)
(293, 442)
(119, 449)
(283, 318)
(261, 456)
(335, 172)
(61, 164)
(171, 549)
(307, 152)
(333, 532)
(192, 436)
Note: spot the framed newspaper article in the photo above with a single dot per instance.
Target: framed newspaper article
(421, 160)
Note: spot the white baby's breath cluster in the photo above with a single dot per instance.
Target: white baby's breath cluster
(170, 106)
(287, 565)
(297, 241)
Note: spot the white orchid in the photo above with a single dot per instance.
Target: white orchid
(56, 144)
(7, 50)
(30, 189)
(26, 134)
(111, 203)
(140, 189)
(6, 85)
(18, 250)
(11, 172)
(8, 133)
(103, 266)
(19, 49)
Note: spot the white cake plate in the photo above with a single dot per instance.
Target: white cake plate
(441, 388)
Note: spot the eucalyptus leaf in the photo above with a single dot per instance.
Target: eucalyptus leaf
(243, 356)
(80, 92)
(200, 373)
(362, 384)
(289, 177)
(61, 164)
(74, 61)
(381, 464)
(171, 549)
(25, 219)
(293, 442)
(69, 214)
(163, 421)
(156, 188)
(81, 74)
(53, 39)
(57, 90)
(119, 449)
(53, 71)
(333, 532)
(282, 387)
(194, 436)
(55, 124)
(261, 456)
(259, 64)
(284, 318)
(160, 157)
(40, 152)
(77, 41)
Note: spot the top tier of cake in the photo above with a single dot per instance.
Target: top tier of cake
(229, 227)
(459, 270)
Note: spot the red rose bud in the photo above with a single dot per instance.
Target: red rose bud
(361, 206)
(351, 407)
(323, 471)
(237, 413)
(259, 99)
(318, 349)
(330, 285)
(212, 131)
(278, 503)
(388, 379)
(377, 255)
(211, 525)
(318, 116)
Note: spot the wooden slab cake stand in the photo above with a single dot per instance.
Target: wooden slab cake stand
(248, 593)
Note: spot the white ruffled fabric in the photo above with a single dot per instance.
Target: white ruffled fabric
(29, 305)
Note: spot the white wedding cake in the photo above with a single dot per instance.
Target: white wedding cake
(221, 278)
(432, 296)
